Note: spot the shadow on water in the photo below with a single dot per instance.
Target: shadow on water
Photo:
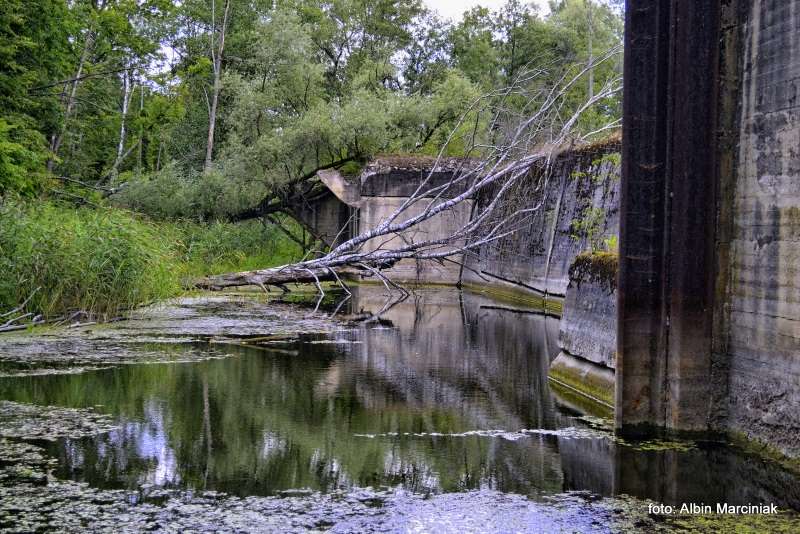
(453, 396)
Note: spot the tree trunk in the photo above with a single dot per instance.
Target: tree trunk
(127, 93)
(590, 47)
(276, 276)
(216, 55)
(55, 140)
(140, 155)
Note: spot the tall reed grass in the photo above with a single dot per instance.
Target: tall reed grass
(106, 260)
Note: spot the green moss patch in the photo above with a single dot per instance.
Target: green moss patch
(784, 522)
(551, 305)
(596, 267)
(764, 450)
(591, 384)
(580, 402)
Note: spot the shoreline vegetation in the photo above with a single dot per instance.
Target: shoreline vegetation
(212, 110)
(65, 263)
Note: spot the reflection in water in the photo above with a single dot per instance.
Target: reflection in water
(378, 406)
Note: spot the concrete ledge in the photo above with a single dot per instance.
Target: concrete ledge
(569, 398)
(593, 381)
(518, 295)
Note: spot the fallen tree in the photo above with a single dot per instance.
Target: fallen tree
(531, 143)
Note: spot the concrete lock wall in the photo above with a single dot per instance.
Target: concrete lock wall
(386, 183)
(709, 331)
(759, 332)
(578, 208)
(353, 205)
(588, 328)
(374, 210)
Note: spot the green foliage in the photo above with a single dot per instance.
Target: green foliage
(589, 226)
(19, 160)
(611, 244)
(33, 51)
(223, 247)
(475, 48)
(174, 193)
(304, 84)
(612, 158)
(107, 260)
(98, 260)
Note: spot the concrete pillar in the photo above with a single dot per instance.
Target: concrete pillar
(668, 211)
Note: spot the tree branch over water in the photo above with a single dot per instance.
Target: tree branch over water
(521, 144)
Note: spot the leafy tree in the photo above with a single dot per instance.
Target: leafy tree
(144, 94)
(33, 52)
(475, 47)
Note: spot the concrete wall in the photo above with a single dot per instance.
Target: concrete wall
(327, 218)
(588, 328)
(376, 209)
(589, 321)
(709, 306)
(353, 205)
(579, 201)
(759, 342)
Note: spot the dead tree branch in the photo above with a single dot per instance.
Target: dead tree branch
(525, 145)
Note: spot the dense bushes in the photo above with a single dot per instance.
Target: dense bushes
(107, 260)
(224, 247)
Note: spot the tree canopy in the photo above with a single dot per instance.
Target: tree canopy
(207, 109)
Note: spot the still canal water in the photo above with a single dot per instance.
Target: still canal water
(447, 393)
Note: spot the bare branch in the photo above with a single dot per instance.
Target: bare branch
(521, 155)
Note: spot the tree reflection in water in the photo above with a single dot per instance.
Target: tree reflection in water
(376, 405)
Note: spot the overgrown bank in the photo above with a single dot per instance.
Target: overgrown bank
(56, 259)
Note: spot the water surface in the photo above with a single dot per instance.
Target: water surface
(448, 393)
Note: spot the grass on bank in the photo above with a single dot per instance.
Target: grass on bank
(107, 260)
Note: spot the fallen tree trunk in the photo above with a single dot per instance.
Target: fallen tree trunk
(529, 144)
(267, 277)
(287, 274)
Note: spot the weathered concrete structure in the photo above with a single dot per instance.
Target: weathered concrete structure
(579, 209)
(709, 309)
(588, 328)
(708, 211)
(575, 209)
(353, 205)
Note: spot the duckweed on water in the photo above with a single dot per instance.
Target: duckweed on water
(33, 501)
(32, 422)
(279, 391)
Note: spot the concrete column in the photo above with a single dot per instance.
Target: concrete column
(668, 208)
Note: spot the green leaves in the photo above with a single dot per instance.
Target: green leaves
(20, 160)
(304, 83)
(33, 50)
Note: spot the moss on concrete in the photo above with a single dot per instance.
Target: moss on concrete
(579, 401)
(763, 450)
(548, 304)
(597, 267)
(591, 384)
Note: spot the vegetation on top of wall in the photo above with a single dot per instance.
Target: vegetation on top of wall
(597, 267)
(612, 158)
